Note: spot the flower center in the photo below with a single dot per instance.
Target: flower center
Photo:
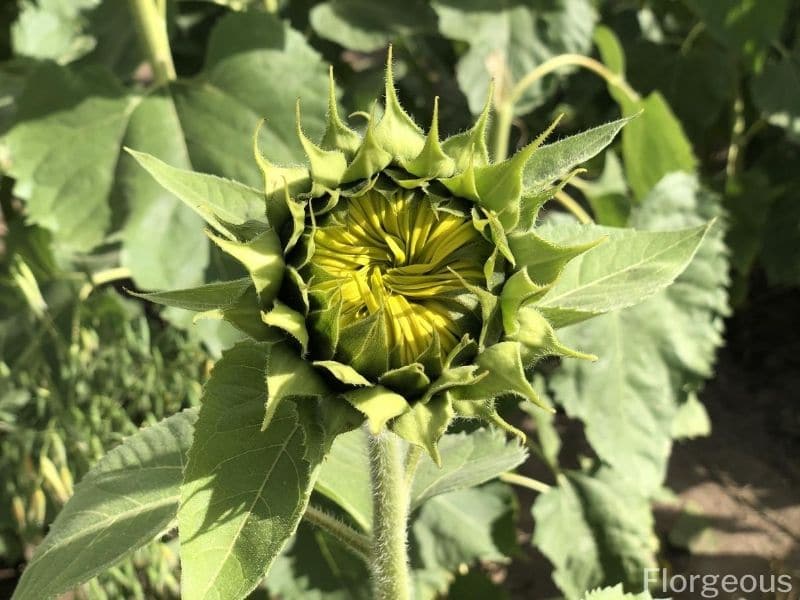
(401, 256)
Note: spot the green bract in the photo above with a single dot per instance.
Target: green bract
(397, 274)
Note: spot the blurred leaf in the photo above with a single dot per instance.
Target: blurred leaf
(615, 593)
(124, 502)
(595, 531)
(53, 29)
(365, 25)
(776, 93)
(243, 494)
(746, 26)
(508, 39)
(653, 354)
(608, 195)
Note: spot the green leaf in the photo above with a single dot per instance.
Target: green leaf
(628, 268)
(72, 124)
(556, 160)
(53, 29)
(366, 26)
(425, 423)
(123, 503)
(345, 479)
(781, 247)
(468, 459)
(211, 296)
(465, 526)
(595, 531)
(64, 148)
(653, 354)
(217, 200)
(509, 39)
(244, 489)
(776, 93)
(163, 243)
(290, 321)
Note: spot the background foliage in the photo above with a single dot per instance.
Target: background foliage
(715, 85)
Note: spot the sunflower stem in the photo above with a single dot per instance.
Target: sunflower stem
(572, 206)
(390, 500)
(151, 25)
(526, 482)
(501, 130)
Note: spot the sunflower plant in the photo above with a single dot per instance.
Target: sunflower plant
(397, 282)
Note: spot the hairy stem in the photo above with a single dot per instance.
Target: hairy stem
(501, 130)
(389, 557)
(356, 542)
(152, 28)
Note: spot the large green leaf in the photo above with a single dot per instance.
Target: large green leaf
(245, 489)
(71, 126)
(626, 269)
(508, 39)
(123, 503)
(594, 531)
(651, 355)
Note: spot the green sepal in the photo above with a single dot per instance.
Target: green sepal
(326, 166)
(425, 424)
(262, 258)
(343, 373)
(396, 132)
(497, 234)
(531, 202)
(288, 320)
(431, 358)
(364, 346)
(279, 183)
(294, 290)
(506, 376)
(452, 378)
(500, 186)
(287, 377)
(324, 324)
(244, 314)
(210, 296)
(544, 260)
(489, 312)
(486, 411)
(470, 146)
(518, 290)
(370, 157)
(338, 136)
(432, 161)
(378, 404)
(409, 380)
(463, 184)
(538, 339)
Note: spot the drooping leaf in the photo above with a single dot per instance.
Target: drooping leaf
(651, 355)
(123, 503)
(776, 93)
(245, 489)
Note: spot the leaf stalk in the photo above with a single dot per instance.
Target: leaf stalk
(151, 25)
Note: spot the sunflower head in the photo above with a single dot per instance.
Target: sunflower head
(396, 274)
